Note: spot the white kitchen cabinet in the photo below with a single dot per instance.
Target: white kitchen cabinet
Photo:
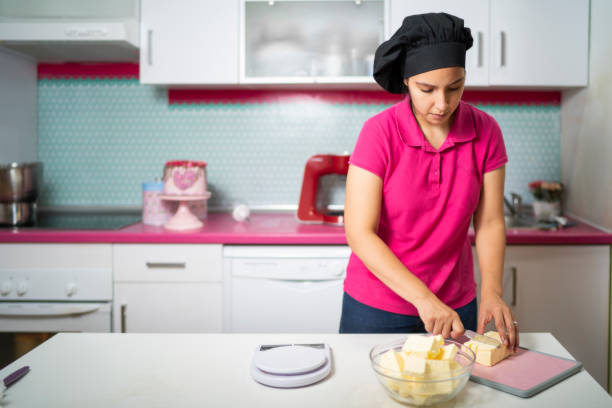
(522, 43)
(476, 16)
(324, 41)
(167, 288)
(189, 42)
(36, 256)
(563, 290)
(539, 43)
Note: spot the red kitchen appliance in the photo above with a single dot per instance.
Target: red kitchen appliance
(317, 166)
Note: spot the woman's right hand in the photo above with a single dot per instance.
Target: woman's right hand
(438, 317)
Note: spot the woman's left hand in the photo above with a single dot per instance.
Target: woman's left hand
(492, 307)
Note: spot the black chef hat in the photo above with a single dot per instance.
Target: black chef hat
(423, 43)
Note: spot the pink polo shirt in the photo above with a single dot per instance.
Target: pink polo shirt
(428, 200)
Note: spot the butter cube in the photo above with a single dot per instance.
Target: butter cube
(423, 346)
(438, 368)
(393, 385)
(414, 365)
(405, 389)
(448, 352)
(487, 354)
(392, 362)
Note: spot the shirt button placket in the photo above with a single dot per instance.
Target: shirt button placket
(435, 168)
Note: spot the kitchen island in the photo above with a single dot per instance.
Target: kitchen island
(212, 370)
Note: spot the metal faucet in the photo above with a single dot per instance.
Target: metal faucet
(515, 206)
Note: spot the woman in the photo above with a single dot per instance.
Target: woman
(419, 172)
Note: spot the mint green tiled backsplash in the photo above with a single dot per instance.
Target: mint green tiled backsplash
(100, 139)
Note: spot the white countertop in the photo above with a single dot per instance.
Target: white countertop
(212, 370)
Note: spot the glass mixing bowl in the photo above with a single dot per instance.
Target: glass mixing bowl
(427, 390)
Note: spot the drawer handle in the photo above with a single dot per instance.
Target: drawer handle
(166, 265)
(502, 49)
(150, 47)
(479, 54)
(123, 317)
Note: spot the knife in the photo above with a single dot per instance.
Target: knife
(482, 338)
(13, 378)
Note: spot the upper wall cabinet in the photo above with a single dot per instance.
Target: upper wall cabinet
(541, 43)
(476, 16)
(522, 43)
(329, 41)
(189, 42)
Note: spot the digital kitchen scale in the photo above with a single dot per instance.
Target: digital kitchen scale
(291, 365)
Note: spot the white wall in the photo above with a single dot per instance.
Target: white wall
(586, 129)
(18, 107)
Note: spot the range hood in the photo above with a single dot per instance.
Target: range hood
(72, 30)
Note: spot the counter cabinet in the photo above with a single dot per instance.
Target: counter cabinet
(562, 289)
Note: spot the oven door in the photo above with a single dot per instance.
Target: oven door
(26, 325)
(39, 317)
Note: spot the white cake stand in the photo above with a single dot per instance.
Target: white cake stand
(184, 219)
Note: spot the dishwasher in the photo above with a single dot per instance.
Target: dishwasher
(283, 288)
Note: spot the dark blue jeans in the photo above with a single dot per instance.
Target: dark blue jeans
(360, 318)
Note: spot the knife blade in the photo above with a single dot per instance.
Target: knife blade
(482, 338)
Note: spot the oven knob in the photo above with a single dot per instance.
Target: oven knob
(71, 289)
(5, 289)
(22, 288)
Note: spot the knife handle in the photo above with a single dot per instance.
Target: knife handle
(15, 376)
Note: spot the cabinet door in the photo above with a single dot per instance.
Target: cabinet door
(543, 43)
(191, 42)
(167, 307)
(475, 14)
(312, 41)
(564, 290)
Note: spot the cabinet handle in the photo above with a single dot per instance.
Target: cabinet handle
(123, 317)
(150, 47)
(166, 265)
(479, 49)
(514, 283)
(502, 48)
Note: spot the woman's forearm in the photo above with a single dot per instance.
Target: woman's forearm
(490, 247)
(383, 263)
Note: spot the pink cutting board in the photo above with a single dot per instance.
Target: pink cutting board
(526, 372)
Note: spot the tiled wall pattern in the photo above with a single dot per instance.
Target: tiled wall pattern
(100, 139)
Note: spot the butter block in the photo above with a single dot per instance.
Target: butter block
(414, 365)
(438, 369)
(448, 352)
(487, 354)
(392, 362)
(435, 369)
(423, 346)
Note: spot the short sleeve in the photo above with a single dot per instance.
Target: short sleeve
(371, 151)
(496, 150)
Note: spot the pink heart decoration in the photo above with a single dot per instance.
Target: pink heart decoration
(185, 179)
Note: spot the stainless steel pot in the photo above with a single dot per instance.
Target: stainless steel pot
(17, 214)
(19, 182)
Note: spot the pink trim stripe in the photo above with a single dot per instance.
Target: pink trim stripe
(197, 96)
(201, 96)
(88, 71)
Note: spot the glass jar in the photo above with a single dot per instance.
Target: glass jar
(155, 211)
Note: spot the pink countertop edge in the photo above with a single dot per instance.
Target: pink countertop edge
(267, 228)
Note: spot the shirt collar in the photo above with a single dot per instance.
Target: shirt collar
(462, 129)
